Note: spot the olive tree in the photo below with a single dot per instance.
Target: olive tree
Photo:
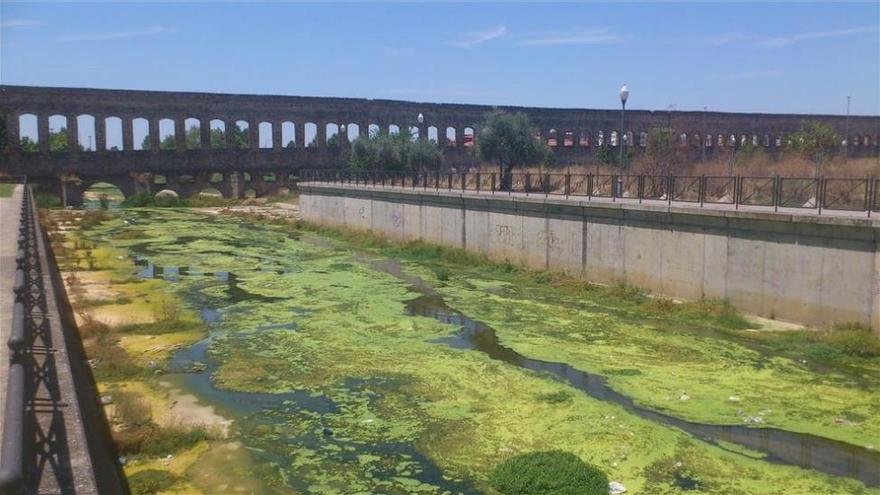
(510, 140)
(815, 141)
(393, 152)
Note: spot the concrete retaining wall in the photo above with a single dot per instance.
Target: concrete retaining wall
(805, 268)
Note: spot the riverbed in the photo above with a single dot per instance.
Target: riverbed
(327, 363)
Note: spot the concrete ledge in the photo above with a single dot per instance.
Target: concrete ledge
(802, 267)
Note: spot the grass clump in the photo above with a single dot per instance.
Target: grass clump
(559, 397)
(442, 273)
(552, 472)
(851, 339)
(152, 440)
(147, 199)
(150, 481)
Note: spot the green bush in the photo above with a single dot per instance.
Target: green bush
(47, 200)
(150, 481)
(548, 473)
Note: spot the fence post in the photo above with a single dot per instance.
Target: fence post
(528, 182)
(567, 184)
(670, 188)
(478, 182)
(493, 182)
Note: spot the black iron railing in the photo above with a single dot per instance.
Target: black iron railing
(823, 193)
(12, 450)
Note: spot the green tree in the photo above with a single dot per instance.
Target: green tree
(29, 145)
(816, 141)
(58, 140)
(664, 154)
(194, 137)
(240, 137)
(218, 138)
(393, 152)
(510, 140)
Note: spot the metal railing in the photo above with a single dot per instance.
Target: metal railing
(818, 194)
(12, 453)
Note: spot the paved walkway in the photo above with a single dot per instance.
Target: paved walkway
(629, 203)
(10, 213)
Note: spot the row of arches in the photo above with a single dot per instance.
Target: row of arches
(570, 138)
(59, 133)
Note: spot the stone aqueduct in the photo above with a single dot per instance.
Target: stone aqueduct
(277, 129)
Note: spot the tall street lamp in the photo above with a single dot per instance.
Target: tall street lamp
(421, 120)
(846, 148)
(624, 94)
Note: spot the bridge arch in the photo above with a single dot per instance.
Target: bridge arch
(352, 131)
(265, 139)
(85, 138)
(433, 134)
(58, 138)
(288, 134)
(241, 138)
(113, 140)
(373, 130)
(393, 129)
(218, 134)
(468, 137)
(28, 133)
(311, 134)
(140, 129)
(192, 127)
(166, 134)
(331, 134)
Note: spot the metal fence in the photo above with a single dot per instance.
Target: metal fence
(822, 193)
(12, 454)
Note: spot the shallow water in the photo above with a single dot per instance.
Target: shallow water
(800, 449)
(337, 390)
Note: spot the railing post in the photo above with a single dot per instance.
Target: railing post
(777, 189)
(670, 188)
(737, 191)
(528, 183)
(702, 189)
(493, 182)
(567, 184)
(478, 182)
(589, 187)
(463, 181)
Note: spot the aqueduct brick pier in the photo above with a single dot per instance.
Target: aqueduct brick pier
(153, 140)
(803, 268)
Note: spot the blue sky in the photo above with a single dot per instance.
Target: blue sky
(787, 57)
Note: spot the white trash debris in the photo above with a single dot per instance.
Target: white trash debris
(615, 488)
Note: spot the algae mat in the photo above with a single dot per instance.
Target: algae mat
(335, 385)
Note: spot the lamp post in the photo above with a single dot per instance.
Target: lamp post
(703, 140)
(846, 148)
(421, 120)
(624, 94)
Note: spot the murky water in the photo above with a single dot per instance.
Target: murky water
(800, 449)
(239, 278)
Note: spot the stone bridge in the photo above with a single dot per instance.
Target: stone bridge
(67, 139)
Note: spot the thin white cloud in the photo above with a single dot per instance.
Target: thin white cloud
(756, 74)
(788, 40)
(19, 23)
(600, 36)
(728, 38)
(151, 31)
(468, 40)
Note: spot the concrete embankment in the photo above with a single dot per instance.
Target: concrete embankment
(816, 270)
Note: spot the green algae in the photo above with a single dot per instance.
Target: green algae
(402, 400)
